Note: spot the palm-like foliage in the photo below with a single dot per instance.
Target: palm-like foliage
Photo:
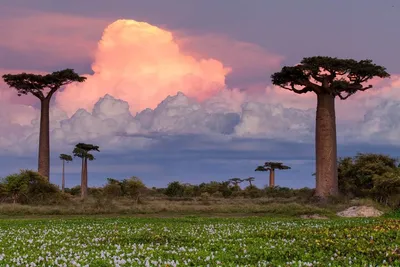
(271, 167)
(82, 150)
(64, 158)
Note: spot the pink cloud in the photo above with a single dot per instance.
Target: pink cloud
(245, 59)
(63, 38)
(142, 64)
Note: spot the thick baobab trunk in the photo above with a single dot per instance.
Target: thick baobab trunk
(86, 176)
(63, 177)
(326, 147)
(272, 178)
(44, 139)
(83, 180)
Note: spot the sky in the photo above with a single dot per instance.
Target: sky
(181, 90)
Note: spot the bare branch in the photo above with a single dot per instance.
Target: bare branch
(344, 97)
(297, 91)
(317, 78)
(365, 88)
(38, 94)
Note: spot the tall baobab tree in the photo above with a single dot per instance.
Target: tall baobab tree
(43, 87)
(64, 158)
(328, 78)
(82, 150)
(250, 180)
(271, 167)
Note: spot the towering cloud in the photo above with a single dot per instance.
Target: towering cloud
(142, 64)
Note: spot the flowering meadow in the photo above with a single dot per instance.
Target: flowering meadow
(193, 241)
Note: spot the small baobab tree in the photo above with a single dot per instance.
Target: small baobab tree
(235, 181)
(64, 158)
(327, 78)
(250, 180)
(271, 167)
(43, 87)
(82, 150)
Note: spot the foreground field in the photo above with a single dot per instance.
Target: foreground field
(196, 241)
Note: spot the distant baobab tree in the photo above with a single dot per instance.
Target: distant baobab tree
(328, 78)
(42, 87)
(235, 181)
(250, 180)
(64, 158)
(82, 150)
(271, 167)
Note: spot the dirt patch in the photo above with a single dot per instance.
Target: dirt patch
(360, 211)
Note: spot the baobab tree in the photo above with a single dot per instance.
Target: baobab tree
(328, 78)
(250, 180)
(82, 150)
(64, 158)
(271, 167)
(43, 87)
(235, 181)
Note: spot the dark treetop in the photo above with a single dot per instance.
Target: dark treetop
(35, 84)
(272, 165)
(327, 75)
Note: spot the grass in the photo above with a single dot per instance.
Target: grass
(164, 207)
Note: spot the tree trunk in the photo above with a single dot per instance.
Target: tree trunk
(86, 177)
(63, 177)
(44, 139)
(83, 184)
(272, 178)
(326, 147)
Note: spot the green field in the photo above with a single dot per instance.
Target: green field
(194, 241)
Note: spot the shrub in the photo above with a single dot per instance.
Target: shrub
(30, 187)
(112, 190)
(175, 189)
(133, 188)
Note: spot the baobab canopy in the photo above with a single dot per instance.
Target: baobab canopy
(35, 84)
(327, 75)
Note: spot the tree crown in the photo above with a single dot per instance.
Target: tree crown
(82, 150)
(35, 84)
(66, 157)
(235, 180)
(269, 165)
(327, 75)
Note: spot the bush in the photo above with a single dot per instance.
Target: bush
(133, 188)
(112, 190)
(356, 175)
(253, 192)
(29, 187)
(175, 189)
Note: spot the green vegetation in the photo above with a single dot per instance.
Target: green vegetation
(194, 241)
(373, 179)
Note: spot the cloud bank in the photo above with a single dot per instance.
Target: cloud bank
(146, 88)
(142, 64)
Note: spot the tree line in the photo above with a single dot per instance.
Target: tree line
(327, 77)
(375, 176)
